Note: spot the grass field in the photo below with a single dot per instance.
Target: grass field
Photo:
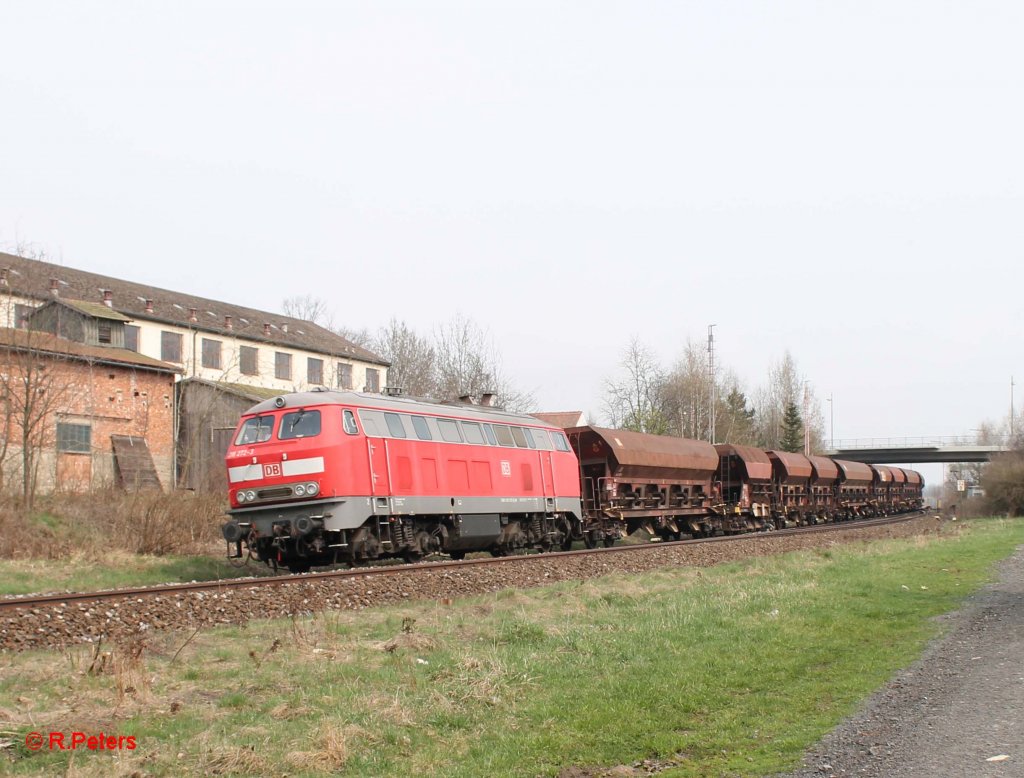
(117, 569)
(732, 670)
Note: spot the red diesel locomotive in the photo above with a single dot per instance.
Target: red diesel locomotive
(323, 477)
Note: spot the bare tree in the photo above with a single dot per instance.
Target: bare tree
(412, 358)
(634, 400)
(685, 394)
(34, 387)
(309, 308)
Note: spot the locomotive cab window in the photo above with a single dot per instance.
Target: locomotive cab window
(540, 437)
(419, 424)
(258, 429)
(560, 442)
(349, 422)
(489, 432)
(299, 424)
(395, 426)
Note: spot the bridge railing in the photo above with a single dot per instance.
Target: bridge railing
(924, 441)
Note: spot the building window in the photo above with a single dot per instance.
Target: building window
(74, 438)
(248, 358)
(344, 375)
(131, 337)
(372, 380)
(104, 332)
(314, 371)
(282, 366)
(170, 346)
(211, 353)
(21, 314)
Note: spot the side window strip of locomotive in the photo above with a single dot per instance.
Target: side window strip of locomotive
(419, 424)
(489, 432)
(519, 437)
(541, 438)
(560, 442)
(373, 423)
(258, 429)
(472, 432)
(395, 426)
(504, 436)
(349, 422)
(299, 424)
(449, 430)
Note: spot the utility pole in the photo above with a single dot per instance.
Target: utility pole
(1011, 408)
(807, 427)
(831, 423)
(711, 372)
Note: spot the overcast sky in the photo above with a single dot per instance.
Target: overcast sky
(843, 180)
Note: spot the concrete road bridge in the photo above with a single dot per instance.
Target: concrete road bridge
(885, 451)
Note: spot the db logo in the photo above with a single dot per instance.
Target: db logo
(506, 469)
(272, 471)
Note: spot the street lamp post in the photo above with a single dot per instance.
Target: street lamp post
(831, 423)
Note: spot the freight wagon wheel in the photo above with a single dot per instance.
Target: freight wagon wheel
(299, 567)
(457, 555)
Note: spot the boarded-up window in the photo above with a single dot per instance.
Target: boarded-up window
(482, 476)
(372, 380)
(74, 438)
(458, 476)
(282, 366)
(131, 337)
(314, 371)
(248, 360)
(104, 331)
(170, 346)
(344, 375)
(404, 467)
(211, 353)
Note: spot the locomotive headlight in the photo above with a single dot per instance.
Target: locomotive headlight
(299, 490)
(240, 496)
(250, 496)
(312, 488)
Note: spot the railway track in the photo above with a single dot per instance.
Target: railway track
(9, 604)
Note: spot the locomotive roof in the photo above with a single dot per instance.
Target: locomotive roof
(417, 405)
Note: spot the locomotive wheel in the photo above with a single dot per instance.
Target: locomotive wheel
(609, 541)
(590, 539)
(299, 567)
(457, 555)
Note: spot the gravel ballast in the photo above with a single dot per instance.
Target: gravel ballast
(65, 624)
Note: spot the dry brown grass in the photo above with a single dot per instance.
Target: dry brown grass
(95, 523)
(334, 746)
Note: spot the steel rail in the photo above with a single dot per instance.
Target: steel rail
(18, 602)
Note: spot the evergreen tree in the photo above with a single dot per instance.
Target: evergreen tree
(736, 422)
(792, 430)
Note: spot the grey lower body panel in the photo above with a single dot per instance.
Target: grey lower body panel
(352, 512)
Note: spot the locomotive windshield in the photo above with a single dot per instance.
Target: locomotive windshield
(299, 424)
(258, 429)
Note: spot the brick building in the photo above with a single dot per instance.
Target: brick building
(90, 415)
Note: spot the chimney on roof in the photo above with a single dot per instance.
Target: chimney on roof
(266, 328)
(192, 315)
(227, 323)
(108, 298)
(487, 399)
(149, 306)
(54, 287)
(4, 273)
(284, 328)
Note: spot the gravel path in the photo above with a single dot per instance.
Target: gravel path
(950, 713)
